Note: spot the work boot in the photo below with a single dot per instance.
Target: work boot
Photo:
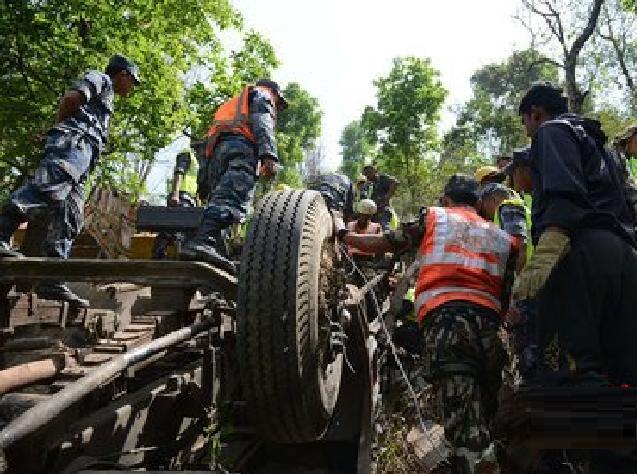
(9, 222)
(60, 292)
(204, 247)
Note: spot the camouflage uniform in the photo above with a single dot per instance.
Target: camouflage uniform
(230, 176)
(464, 357)
(338, 192)
(71, 149)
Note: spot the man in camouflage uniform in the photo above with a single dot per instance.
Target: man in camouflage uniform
(71, 151)
(337, 191)
(463, 354)
(233, 166)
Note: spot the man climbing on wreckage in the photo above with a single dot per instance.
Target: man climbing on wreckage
(71, 151)
(466, 264)
(241, 147)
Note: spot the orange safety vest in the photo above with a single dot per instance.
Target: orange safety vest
(372, 228)
(234, 117)
(462, 258)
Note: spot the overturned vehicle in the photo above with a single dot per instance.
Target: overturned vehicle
(180, 366)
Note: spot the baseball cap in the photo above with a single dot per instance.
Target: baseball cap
(493, 188)
(462, 189)
(274, 87)
(119, 62)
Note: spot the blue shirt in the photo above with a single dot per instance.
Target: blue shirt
(93, 117)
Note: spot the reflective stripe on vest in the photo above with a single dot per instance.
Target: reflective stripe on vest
(234, 117)
(518, 202)
(462, 258)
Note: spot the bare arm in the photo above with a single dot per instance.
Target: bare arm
(376, 243)
(69, 104)
(177, 180)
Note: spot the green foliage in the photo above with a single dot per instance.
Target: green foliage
(613, 121)
(630, 5)
(297, 129)
(403, 127)
(220, 77)
(489, 123)
(44, 46)
(355, 148)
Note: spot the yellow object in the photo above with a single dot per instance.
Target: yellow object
(189, 182)
(282, 187)
(394, 222)
(518, 202)
(552, 246)
(485, 171)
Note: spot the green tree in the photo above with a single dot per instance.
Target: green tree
(44, 46)
(297, 130)
(488, 124)
(569, 25)
(630, 5)
(354, 149)
(403, 126)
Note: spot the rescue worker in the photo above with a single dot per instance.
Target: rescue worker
(71, 151)
(337, 191)
(241, 147)
(383, 187)
(460, 297)
(507, 210)
(489, 174)
(625, 148)
(584, 264)
(361, 189)
(366, 209)
(522, 315)
(183, 193)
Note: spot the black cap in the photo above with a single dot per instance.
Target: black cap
(521, 156)
(122, 63)
(462, 189)
(546, 95)
(283, 104)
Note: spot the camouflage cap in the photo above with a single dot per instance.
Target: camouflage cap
(119, 62)
(496, 188)
(626, 135)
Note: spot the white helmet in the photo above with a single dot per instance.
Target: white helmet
(367, 206)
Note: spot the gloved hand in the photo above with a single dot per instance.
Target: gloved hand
(552, 246)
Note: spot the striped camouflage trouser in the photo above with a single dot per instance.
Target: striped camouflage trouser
(464, 357)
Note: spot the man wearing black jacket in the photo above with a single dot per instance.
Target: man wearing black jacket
(584, 267)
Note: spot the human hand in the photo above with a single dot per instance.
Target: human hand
(269, 168)
(173, 200)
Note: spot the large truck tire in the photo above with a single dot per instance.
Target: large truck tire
(290, 374)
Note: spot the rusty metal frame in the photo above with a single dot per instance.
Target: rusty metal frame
(144, 272)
